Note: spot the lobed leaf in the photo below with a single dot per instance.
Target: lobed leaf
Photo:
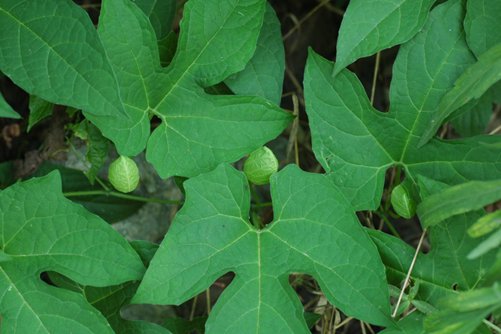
(314, 232)
(116, 78)
(209, 50)
(355, 144)
(371, 26)
(42, 231)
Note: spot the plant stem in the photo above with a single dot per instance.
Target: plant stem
(121, 195)
(304, 18)
(492, 326)
(374, 78)
(390, 226)
(193, 308)
(408, 276)
(207, 297)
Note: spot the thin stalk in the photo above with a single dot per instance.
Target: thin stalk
(374, 78)
(344, 322)
(193, 308)
(207, 297)
(408, 276)
(121, 195)
(293, 142)
(362, 327)
(305, 18)
(390, 226)
(492, 326)
(496, 130)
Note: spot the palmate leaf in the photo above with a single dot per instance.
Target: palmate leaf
(115, 76)
(198, 130)
(314, 231)
(42, 231)
(356, 144)
(389, 23)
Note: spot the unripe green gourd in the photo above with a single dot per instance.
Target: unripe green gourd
(260, 165)
(124, 174)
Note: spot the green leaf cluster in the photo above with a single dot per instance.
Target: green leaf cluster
(206, 93)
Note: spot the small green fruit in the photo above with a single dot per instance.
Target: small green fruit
(123, 174)
(260, 165)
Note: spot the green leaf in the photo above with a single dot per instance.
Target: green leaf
(473, 121)
(492, 242)
(371, 26)
(211, 235)
(482, 24)
(403, 201)
(352, 140)
(7, 174)
(411, 324)
(43, 231)
(183, 326)
(208, 51)
(115, 77)
(472, 84)
(485, 224)
(39, 110)
(445, 268)
(6, 110)
(97, 151)
(110, 300)
(464, 312)
(264, 74)
(458, 199)
(160, 13)
(60, 33)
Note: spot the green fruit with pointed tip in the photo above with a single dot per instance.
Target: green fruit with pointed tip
(124, 174)
(260, 165)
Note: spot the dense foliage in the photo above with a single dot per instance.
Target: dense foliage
(400, 232)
